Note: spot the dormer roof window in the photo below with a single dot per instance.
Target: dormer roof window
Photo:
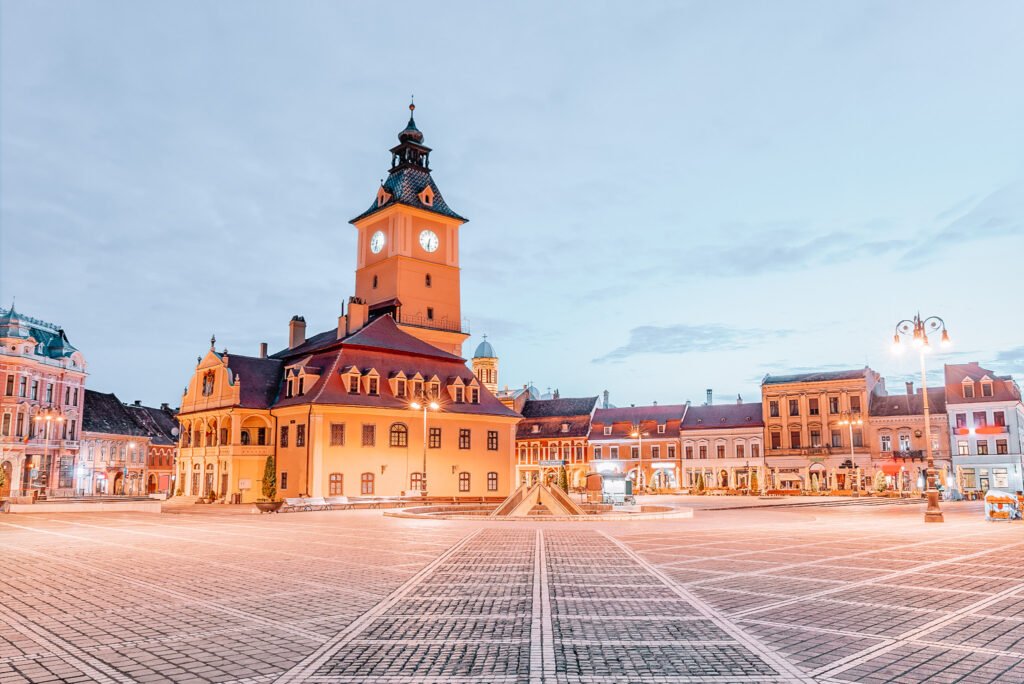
(986, 387)
(968, 387)
(535, 428)
(565, 427)
(383, 196)
(607, 429)
(661, 428)
(427, 196)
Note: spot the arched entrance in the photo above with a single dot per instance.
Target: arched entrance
(151, 485)
(119, 484)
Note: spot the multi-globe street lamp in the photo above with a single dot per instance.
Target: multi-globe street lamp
(917, 330)
(639, 435)
(424, 404)
(47, 418)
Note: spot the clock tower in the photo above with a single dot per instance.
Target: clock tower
(408, 260)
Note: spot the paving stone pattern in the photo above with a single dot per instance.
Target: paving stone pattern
(850, 594)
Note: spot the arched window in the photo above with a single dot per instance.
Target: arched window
(366, 484)
(463, 481)
(492, 482)
(416, 482)
(335, 484)
(399, 435)
(428, 280)
(223, 436)
(245, 437)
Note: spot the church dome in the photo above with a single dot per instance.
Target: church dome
(484, 350)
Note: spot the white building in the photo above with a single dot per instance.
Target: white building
(986, 420)
(724, 445)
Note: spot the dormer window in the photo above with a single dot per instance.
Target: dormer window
(288, 390)
(474, 395)
(400, 389)
(458, 395)
(301, 390)
(535, 428)
(417, 388)
(565, 427)
(661, 428)
(427, 196)
(435, 389)
(372, 386)
(607, 429)
(968, 386)
(383, 196)
(986, 388)
(353, 383)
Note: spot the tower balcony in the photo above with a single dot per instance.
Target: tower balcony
(445, 324)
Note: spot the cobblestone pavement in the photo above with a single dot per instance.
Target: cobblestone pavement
(841, 594)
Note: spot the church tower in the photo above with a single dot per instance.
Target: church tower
(485, 365)
(408, 260)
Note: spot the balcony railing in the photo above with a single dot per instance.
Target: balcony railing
(912, 454)
(447, 324)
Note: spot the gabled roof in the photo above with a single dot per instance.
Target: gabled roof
(105, 414)
(1003, 386)
(882, 405)
(556, 418)
(621, 421)
(723, 416)
(383, 333)
(817, 376)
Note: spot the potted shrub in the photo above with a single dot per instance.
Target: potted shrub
(268, 503)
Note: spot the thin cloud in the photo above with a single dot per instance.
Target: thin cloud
(686, 339)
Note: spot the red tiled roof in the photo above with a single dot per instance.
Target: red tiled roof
(1003, 386)
(908, 405)
(622, 421)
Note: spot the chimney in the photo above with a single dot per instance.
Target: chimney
(165, 407)
(910, 388)
(605, 404)
(709, 398)
(358, 313)
(137, 402)
(655, 403)
(263, 350)
(556, 395)
(296, 331)
(739, 399)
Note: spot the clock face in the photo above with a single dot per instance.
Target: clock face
(377, 242)
(428, 240)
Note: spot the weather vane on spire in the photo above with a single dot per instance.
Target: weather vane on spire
(412, 102)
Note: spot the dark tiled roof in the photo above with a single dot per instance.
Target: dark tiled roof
(882, 405)
(820, 376)
(1003, 386)
(404, 185)
(544, 408)
(384, 333)
(723, 416)
(105, 414)
(260, 379)
(158, 423)
(327, 338)
(51, 340)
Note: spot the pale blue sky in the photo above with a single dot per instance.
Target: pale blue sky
(664, 197)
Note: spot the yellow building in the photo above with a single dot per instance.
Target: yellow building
(378, 405)
(814, 427)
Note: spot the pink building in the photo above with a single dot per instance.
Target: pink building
(41, 401)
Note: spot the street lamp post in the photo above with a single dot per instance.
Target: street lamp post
(47, 417)
(917, 330)
(851, 418)
(423, 405)
(640, 453)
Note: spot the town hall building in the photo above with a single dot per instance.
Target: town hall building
(380, 404)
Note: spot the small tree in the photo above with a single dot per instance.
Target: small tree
(880, 484)
(754, 484)
(270, 479)
(563, 480)
(700, 483)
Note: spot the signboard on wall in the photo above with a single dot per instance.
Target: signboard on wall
(245, 484)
